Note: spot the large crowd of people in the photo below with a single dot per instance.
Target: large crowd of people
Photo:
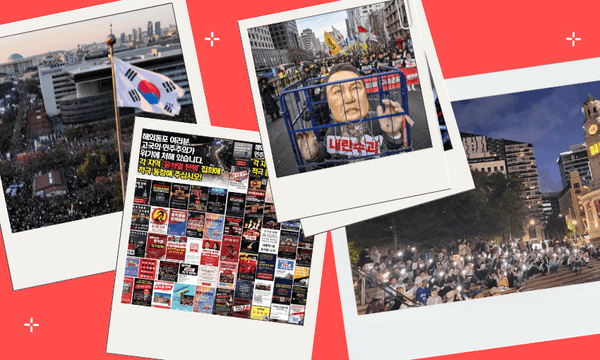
(403, 278)
(376, 57)
(346, 108)
(84, 198)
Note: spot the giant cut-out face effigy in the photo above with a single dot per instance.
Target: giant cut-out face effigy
(348, 100)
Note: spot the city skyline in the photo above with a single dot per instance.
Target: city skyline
(321, 23)
(26, 44)
(553, 117)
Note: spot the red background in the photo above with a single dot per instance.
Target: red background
(471, 37)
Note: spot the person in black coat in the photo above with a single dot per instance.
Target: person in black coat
(267, 93)
(364, 257)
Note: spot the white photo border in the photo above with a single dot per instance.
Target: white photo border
(456, 159)
(333, 196)
(516, 319)
(88, 246)
(201, 335)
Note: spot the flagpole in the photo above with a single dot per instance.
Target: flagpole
(110, 41)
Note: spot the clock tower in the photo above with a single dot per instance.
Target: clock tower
(591, 125)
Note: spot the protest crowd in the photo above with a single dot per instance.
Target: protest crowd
(390, 56)
(408, 279)
(84, 198)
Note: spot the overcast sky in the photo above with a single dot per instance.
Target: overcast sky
(549, 119)
(67, 37)
(320, 24)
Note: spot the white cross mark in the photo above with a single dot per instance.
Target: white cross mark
(31, 325)
(573, 38)
(212, 38)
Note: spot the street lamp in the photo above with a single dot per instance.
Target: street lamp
(574, 222)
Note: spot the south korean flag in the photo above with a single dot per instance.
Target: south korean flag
(146, 90)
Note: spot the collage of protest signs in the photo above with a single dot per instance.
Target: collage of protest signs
(384, 207)
(212, 249)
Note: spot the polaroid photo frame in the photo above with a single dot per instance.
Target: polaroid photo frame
(84, 247)
(456, 160)
(333, 189)
(520, 318)
(208, 332)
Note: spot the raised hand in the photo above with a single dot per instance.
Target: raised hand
(392, 126)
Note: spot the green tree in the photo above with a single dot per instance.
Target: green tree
(507, 205)
(493, 209)
(94, 165)
(354, 252)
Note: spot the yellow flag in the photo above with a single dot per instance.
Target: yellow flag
(335, 49)
(365, 46)
(344, 52)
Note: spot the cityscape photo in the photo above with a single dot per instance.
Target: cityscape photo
(59, 159)
(531, 223)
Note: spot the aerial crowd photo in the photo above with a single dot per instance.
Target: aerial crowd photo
(59, 159)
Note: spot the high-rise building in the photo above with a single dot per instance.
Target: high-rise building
(149, 32)
(392, 20)
(372, 8)
(574, 159)
(285, 35)
(264, 53)
(550, 204)
(513, 158)
(134, 32)
(157, 28)
(520, 160)
(317, 43)
(123, 39)
(139, 34)
(129, 37)
(308, 40)
(482, 153)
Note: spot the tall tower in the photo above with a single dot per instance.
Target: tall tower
(149, 33)
(157, 29)
(591, 112)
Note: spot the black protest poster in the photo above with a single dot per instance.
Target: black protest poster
(160, 193)
(141, 194)
(180, 195)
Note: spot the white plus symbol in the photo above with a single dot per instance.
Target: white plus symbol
(212, 38)
(573, 38)
(31, 325)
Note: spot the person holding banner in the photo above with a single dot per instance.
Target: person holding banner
(348, 101)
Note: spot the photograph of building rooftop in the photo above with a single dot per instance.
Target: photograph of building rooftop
(58, 145)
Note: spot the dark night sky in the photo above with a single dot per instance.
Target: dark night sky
(550, 119)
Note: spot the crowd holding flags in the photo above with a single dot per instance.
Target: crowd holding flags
(351, 45)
